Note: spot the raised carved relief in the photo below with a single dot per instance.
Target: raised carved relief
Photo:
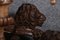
(27, 18)
(29, 15)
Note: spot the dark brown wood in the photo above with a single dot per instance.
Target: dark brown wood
(23, 32)
(51, 35)
(29, 15)
(5, 20)
(27, 18)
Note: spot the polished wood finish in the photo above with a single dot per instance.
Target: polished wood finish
(29, 15)
(51, 35)
(3, 11)
(5, 20)
(27, 18)
(34, 33)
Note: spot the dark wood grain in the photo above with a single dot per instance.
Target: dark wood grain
(27, 18)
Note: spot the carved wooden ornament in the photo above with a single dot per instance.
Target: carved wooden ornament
(27, 18)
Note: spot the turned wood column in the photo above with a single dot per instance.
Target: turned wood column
(5, 19)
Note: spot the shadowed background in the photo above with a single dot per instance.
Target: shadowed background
(52, 14)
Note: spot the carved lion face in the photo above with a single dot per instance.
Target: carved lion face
(29, 15)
